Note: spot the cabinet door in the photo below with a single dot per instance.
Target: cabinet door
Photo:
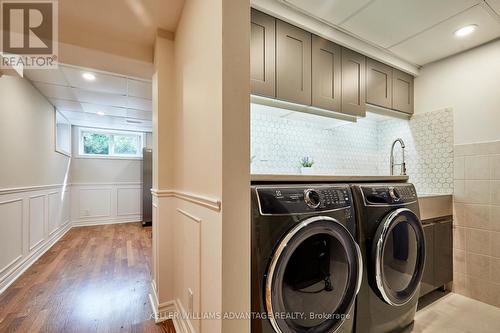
(262, 54)
(378, 83)
(443, 249)
(293, 62)
(353, 83)
(326, 74)
(402, 92)
(427, 284)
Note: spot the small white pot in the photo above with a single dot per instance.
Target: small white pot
(307, 170)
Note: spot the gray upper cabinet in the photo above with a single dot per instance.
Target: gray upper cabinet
(262, 54)
(378, 83)
(353, 83)
(326, 74)
(293, 64)
(402, 91)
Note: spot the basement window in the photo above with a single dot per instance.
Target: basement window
(106, 143)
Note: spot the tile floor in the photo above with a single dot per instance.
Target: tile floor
(455, 313)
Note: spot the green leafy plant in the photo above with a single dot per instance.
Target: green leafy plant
(306, 162)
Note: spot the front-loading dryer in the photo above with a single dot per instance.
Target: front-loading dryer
(306, 264)
(391, 238)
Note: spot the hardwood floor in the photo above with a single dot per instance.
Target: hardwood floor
(95, 279)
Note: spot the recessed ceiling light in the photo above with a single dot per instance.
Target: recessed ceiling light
(100, 113)
(88, 76)
(465, 31)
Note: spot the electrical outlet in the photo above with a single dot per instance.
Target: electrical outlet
(190, 300)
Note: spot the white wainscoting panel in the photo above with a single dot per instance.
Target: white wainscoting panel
(94, 204)
(31, 221)
(129, 201)
(11, 235)
(36, 231)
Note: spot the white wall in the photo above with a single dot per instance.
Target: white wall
(34, 198)
(469, 83)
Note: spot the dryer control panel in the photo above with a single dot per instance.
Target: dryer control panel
(302, 200)
(389, 195)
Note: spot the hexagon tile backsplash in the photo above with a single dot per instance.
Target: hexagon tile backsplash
(280, 138)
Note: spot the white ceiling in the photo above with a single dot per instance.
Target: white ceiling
(418, 31)
(126, 102)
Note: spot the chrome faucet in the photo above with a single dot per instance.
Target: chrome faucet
(402, 164)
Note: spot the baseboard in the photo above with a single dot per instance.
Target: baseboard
(26, 263)
(88, 223)
(171, 310)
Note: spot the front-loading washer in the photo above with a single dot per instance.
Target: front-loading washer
(306, 264)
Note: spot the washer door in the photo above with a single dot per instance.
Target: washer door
(313, 278)
(399, 256)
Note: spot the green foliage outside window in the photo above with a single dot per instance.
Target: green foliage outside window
(125, 144)
(96, 144)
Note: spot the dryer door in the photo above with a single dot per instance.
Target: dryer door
(313, 278)
(399, 256)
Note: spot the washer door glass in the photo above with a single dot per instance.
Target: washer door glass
(399, 250)
(313, 277)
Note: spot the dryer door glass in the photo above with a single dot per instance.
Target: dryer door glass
(399, 260)
(313, 278)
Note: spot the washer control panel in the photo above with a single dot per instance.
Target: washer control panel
(389, 195)
(301, 200)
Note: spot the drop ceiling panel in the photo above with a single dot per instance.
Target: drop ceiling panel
(137, 114)
(331, 11)
(103, 83)
(495, 5)
(388, 22)
(439, 42)
(54, 91)
(54, 76)
(66, 105)
(140, 104)
(107, 110)
(140, 89)
(86, 96)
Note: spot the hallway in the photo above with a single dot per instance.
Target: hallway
(95, 279)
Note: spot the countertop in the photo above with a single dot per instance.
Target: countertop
(286, 178)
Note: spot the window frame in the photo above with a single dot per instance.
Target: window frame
(111, 133)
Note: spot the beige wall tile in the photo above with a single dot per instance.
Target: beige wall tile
(477, 167)
(459, 261)
(479, 289)
(458, 238)
(478, 241)
(478, 265)
(495, 192)
(477, 191)
(495, 167)
(495, 244)
(495, 294)
(460, 283)
(477, 216)
(459, 191)
(495, 218)
(459, 167)
(495, 270)
(459, 214)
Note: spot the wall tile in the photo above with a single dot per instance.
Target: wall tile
(479, 289)
(477, 167)
(278, 141)
(459, 167)
(477, 191)
(477, 216)
(495, 192)
(459, 191)
(460, 283)
(459, 238)
(495, 167)
(478, 265)
(495, 244)
(495, 218)
(478, 241)
(495, 270)
(459, 261)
